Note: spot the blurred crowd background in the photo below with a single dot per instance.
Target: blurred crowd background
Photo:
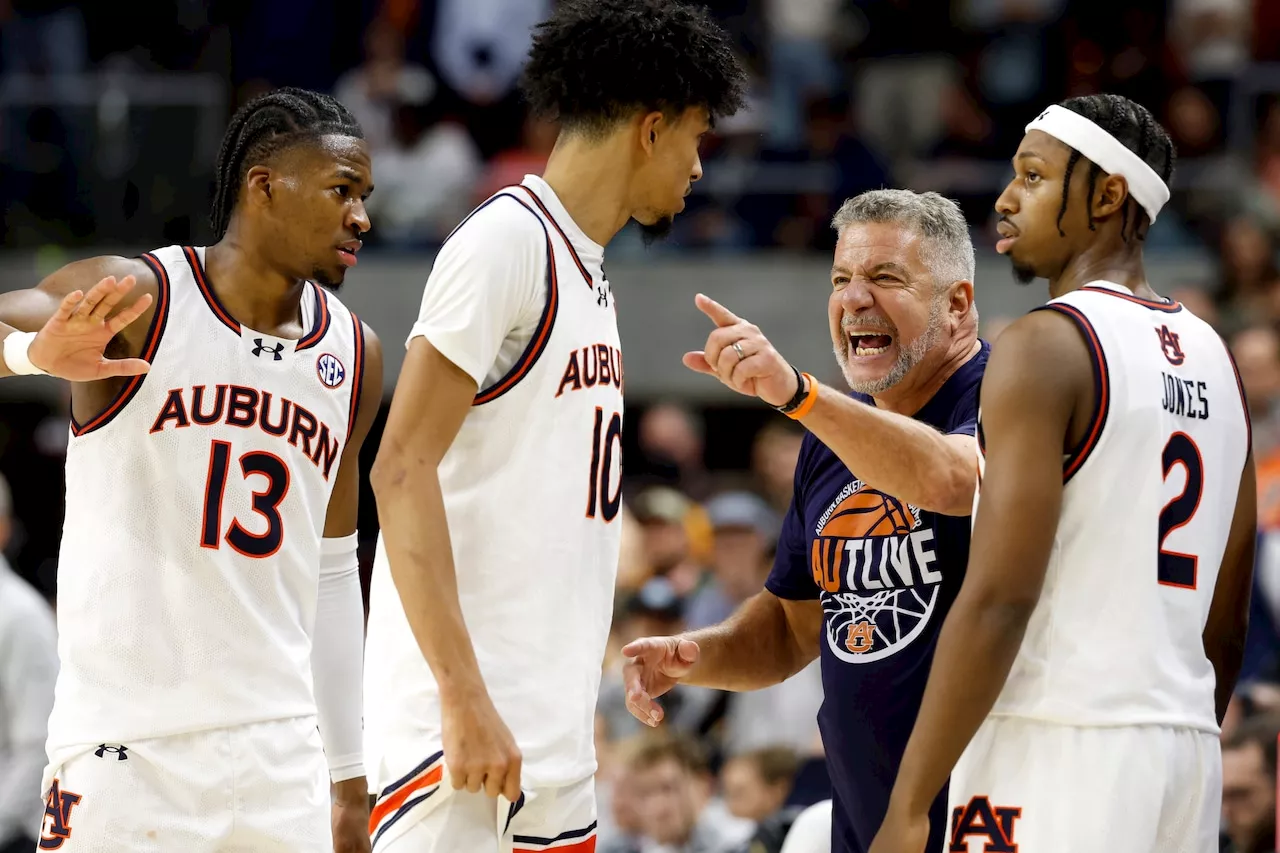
(110, 118)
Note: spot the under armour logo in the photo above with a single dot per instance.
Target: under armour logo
(261, 348)
(120, 751)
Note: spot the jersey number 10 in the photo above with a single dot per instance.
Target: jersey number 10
(601, 465)
(1172, 568)
(266, 503)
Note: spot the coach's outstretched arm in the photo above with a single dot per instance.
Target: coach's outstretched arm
(766, 641)
(433, 396)
(337, 642)
(63, 326)
(892, 453)
(1037, 378)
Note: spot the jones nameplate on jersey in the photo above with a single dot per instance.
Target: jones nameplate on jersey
(1184, 397)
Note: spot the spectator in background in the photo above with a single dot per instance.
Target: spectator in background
(375, 90)
(774, 454)
(426, 175)
(756, 784)
(537, 138)
(801, 63)
(673, 787)
(672, 529)
(28, 670)
(671, 449)
(1249, 785)
(745, 532)
(1247, 257)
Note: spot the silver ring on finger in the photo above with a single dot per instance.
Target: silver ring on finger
(737, 347)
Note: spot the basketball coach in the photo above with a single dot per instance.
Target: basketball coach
(874, 546)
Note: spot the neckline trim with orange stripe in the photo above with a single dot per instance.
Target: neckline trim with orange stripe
(1169, 306)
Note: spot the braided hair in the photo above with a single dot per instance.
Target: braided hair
(1136, 129)
(264, 127)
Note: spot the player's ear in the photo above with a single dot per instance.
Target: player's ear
(258, 185)
(1112, 192)
(651, 124)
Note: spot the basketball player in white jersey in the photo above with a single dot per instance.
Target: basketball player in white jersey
(209, 608)
(1083, 672)
(498, 477)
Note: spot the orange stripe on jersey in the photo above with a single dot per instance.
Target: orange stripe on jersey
(1168, 307)
(322, 320)
(149, 347)
(541, 334)
(357, 377)
(572, 251)
(211, 298)
(1101, 383)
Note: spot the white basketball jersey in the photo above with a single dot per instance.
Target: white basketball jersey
(196, 502)
(1147, 506)
(532, 490)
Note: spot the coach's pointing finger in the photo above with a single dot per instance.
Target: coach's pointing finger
(720, 315)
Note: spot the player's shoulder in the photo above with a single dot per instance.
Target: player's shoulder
(86, 272)
(501, 221)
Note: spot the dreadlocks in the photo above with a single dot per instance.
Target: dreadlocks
(1135, 128)
(263, 128)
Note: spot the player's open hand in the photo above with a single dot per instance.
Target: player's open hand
(655, 665)
(739, 355)
(902, 833)
(71, 344)
(479, 751)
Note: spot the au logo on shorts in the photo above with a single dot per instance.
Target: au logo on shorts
(330, 370)
(980, 820)
(57, 817)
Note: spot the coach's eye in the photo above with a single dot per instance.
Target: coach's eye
(343, 190)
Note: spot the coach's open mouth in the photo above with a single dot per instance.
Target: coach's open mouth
(866, 345)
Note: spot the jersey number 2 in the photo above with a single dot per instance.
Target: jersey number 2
(1172, 568)
(601, 464)
(266, 503)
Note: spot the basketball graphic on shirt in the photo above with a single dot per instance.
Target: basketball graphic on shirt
(869, 513)
(873, 558)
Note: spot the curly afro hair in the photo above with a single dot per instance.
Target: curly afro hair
(595, 62)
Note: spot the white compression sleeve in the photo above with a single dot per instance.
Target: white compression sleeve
(337, 658)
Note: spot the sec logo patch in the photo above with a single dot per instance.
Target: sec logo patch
(330, 370)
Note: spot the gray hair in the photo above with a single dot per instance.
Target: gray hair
(945, 246)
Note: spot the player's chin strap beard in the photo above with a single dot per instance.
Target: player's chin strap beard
(1109, 153)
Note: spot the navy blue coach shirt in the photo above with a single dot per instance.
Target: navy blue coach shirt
(886, 573)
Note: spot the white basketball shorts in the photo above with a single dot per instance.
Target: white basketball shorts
(1024, 785)
(260, 788)
(423, 813)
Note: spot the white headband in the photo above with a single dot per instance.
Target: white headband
(1108, 152)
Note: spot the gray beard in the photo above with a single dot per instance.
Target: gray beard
(908, 356)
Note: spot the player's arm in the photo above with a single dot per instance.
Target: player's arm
(337, 649)
(488, 280)
(1033, 382)
(1228, 622)
(75, 313)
